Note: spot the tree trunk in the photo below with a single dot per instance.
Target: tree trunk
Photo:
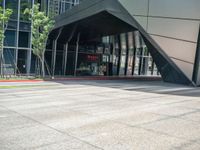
(1, 62)
(43, 66)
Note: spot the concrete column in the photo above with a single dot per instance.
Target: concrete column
(76, 57)
(28, 65)
(65, 58)
(54, 50)
(53, 63)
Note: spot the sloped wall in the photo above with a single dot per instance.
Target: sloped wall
(173, 24)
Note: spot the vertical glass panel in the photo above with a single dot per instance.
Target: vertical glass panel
(9, 56)
(12, 24)
(10, 36)
(9, 61)
(48, 58)
(58, 65)
(105, 39)
(24, 4)
(137, 62)
(22, 61)
(12, 4)
(53, 8)
(33, 63)
(131, 54)
(25, 26)
(115, 55)
(70, 63)
(123, 54)
(139, 53)
(23, 39)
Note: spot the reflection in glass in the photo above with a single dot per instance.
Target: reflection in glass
(116, 57)
(24, 4)
(23, 39)
(12, 4)
(10, 38)
(9, 61)
(12, 24)
(22, 61)
(123, 54)
(130, 54)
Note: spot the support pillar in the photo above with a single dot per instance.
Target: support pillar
(54, 50)
(76, 58)
(134, 54)
(119, 59)
(28, 68)
(53, 63)
(127, 54)
(65, 58)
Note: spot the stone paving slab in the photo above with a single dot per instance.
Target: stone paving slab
(93, 115)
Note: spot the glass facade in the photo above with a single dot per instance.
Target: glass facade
(130, 56)
(17, 43)
(56, 7)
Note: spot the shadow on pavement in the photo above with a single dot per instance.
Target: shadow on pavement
(158, 87)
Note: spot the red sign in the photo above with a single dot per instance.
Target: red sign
(92, 58)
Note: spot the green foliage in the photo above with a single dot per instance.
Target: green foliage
(41, 26)
(4, 17)
(24, 5)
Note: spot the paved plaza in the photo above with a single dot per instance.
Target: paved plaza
(93, 115)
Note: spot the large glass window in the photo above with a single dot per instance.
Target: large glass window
(70, 63)
(48, 59)
(25, 26)
(12, 4)
(10, 61)
(10, 36)
(22, 61)
(59, 60)
(60, 6)
(24, 39)
(23, 5)
(144, 64)
(12, 24)
(88, 64)
(33, 64)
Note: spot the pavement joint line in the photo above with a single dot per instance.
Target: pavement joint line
(143, 98)
(179, 102)
(157, 132)
(64, 133)
(163, 104)
(138, 125)
(163, 133)
(29, 92)
(179, 117)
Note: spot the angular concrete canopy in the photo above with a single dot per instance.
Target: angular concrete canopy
(97, 18)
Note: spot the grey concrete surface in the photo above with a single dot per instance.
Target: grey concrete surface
(93, 115)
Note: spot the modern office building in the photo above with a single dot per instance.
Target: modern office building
(18, 58)
(114, 37)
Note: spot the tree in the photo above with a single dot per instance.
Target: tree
(4, 18)
(41, 27)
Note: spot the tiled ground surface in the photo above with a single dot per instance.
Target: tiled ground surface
(92, 115)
